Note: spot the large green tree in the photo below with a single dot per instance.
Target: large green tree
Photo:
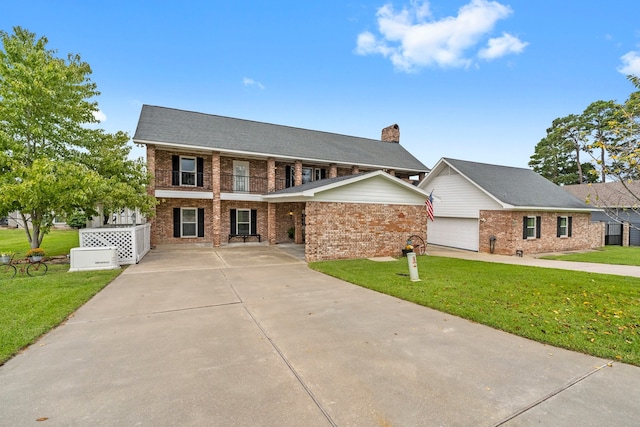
(597, 120)
(52, 163)
(557, 155)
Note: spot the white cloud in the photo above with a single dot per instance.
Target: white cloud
(247, 82)
(630, 64)
(501, 46)
(411, 38)
(100, 116)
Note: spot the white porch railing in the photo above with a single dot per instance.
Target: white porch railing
(133, 242)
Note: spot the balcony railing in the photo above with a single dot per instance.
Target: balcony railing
(176, 180)
(248, 184)
(190, 181)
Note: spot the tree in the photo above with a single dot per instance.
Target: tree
(623, 163)
(52, 164)
(596, 120)
(557, 155)
(553, 160)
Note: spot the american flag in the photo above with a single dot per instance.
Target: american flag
(429, 204)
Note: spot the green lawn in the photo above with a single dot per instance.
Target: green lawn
(31, 306)
(592, 313)
(606, 255)
(57, 242)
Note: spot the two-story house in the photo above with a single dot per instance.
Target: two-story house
(221, 180)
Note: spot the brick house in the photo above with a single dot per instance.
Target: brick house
(505, 210)
(222, 180)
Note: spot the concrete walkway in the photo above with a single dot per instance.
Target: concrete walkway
(533, 261)
(251, 337)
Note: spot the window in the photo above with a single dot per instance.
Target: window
(188, 222)
(188, 171)
(240, 176)
(243, 223)
(564, 226)
(307, 175)
(319, 173)
(531, 227)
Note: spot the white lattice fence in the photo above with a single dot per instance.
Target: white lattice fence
(133, 242)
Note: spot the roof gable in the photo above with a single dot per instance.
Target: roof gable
(511, 187)
(372, 187)
(160, 125)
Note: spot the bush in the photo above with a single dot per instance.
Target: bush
(77, 220)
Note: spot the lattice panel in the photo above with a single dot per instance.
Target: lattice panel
(122, 239)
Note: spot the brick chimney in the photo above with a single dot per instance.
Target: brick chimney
(391, 133)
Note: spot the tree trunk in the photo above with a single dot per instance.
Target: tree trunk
(580, 179)
(604, 175)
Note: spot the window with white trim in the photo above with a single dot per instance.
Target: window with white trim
(189, 222)
(243, 221)
(188, 170)
(564, 226)
(531, 227)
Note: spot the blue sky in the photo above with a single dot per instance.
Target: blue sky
(470, 79)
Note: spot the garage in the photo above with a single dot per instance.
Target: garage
(459, 233)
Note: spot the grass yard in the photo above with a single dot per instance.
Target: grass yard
(57, 242)
(629, 255)
(591, 313)
(31, 306)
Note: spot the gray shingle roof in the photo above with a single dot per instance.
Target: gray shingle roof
(179, 127)
(315, 184)
(517, 186)
(607, 194)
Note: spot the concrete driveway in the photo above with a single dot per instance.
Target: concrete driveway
(250, 336)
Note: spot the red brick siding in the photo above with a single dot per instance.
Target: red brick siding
(507, 226)
(352, 230)
(163, 166)
(163, 229)
(284, 221)
(225, 224)
(257, 168)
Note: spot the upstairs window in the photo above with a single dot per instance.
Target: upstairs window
(307, 175)
(188, 171)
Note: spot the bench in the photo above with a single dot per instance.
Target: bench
(244, 236)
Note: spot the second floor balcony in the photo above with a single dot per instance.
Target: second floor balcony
(229, 183)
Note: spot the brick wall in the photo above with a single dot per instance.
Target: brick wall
(225, 223)
(163, 166)
(352, 230)
(507, 226)
(257, 168)
(284, 221)
(164, 221)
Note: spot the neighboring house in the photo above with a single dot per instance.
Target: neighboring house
(613, 203)
(505, 210)
(124, 217)
(222, 180)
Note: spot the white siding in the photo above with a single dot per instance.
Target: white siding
(377, 190)
(455, 196)
(459, 233)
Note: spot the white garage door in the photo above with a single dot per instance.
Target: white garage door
(454, 232)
